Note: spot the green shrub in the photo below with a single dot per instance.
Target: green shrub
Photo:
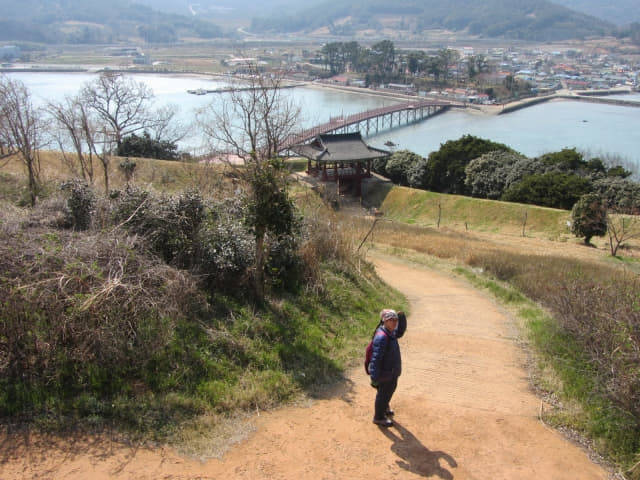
(620, 194)
(81, 204)
(486, 176)
(445, 170)
(225, 248)
(552, 189)
(589, 217)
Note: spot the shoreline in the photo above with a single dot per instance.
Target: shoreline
(474, 109)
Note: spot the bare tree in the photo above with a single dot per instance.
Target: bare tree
(114, 106)
(122, 105)
(91, 138)
(621, 228)
(252, 123)
(254, 120)
(166, 126)
(20, 124)
(75, 126)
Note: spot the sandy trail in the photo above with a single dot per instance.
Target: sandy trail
(464, 410)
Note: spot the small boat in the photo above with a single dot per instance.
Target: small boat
(199, 91)
(389, 143)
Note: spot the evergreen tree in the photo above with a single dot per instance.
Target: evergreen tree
(589, 217)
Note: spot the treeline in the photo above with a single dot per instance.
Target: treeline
(481, 168)
(525, 20)
(93, 22)
(383, 63)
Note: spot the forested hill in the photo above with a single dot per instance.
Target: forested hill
(163, 21)
(96, 21)
(536, 20)
(621, 12)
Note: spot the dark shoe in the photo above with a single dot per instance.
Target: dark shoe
(383, 422)
(389, 413)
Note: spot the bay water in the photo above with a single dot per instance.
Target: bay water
(597, 129)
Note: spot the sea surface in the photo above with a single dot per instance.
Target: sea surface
(596, 129)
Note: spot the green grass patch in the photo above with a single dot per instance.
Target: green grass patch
(421, 207)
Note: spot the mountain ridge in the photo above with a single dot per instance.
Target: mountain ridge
(532, 20)
(167, 21)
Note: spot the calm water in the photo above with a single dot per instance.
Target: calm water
(598, 129)
(595, 128)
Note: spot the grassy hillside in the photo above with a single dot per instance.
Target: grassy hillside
(460, 213)
(105, 326)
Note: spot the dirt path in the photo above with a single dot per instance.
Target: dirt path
(464, 410)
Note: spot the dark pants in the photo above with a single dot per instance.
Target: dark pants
(383, 397)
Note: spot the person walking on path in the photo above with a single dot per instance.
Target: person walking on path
(386, 363)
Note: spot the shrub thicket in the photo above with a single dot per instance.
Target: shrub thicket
(486, 176)
(142, 319)
(481, 168)
(82, 315)
(555, 190)
(146, 147)
(406, 168)
(621, 194)
(445, 170)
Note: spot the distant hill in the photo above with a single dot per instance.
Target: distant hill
(533, 20)
(96, 21)
(220, 11)
(620, 12)
(167, 21)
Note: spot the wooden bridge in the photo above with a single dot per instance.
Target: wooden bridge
(372, 121)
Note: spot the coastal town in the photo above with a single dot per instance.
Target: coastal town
(481, 75)
(542, 71)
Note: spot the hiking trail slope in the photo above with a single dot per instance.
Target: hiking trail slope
(464, 410)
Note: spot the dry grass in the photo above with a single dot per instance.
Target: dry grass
(158, 175)
(412, 218)
(211, 435)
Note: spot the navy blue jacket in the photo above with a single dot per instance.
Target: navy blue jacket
(386, 362)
